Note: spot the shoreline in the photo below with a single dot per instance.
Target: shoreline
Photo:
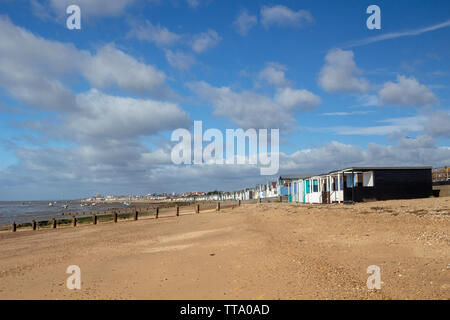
(142, 206)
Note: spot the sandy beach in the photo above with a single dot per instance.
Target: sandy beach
(257, 251)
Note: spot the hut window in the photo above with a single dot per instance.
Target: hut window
(348, 181)
(315, 186)
(359, 180)
(368, 179)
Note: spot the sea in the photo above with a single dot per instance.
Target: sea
(26, 211)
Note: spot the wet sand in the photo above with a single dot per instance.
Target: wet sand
(258, 251)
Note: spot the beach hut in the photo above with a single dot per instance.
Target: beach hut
(363, 183)
(284, 183)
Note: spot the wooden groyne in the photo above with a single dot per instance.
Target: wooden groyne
(132, 213)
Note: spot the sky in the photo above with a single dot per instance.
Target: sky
(92, 110)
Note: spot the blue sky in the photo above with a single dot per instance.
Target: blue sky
(92, 110)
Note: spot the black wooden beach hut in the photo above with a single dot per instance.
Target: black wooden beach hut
(386, 183)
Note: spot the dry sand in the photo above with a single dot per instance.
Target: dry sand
(263, 251)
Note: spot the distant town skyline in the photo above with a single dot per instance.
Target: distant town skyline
(92, 110)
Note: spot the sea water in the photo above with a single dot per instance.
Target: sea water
(26, 211)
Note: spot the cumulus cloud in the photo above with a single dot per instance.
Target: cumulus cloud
(36, 91)
(280, 15)
(251, 110)
(244, 22)
(116, 117)
(36, 71)
(297, 99)
(246, 109)
(180, 60)
(340, 73)
(122, 169)
(110, 67)
(164, 38)
(274, 74)
(161, 36)
(32, 69)
(106, 149)
(336, 155)
(102, 134)
(406, 92)
(205, 41)
(101, 117)
(437, 124)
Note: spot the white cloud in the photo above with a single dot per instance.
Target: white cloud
(104, 148)
(335, 155)
(35, 70)
(340, 73)
(390, 130)
(38, 91)
(394, 35)
(205, 40)
(251, 110)
(161, 36)
(110, 67)
(246, 109)
(431, 124)
(283, 16)
(32, 69)
(286, 97)
(274, 74)
(437, 124)
(345, 113)
(116, 117)
(244, 22)
(99, 117)
(406, 92)
(369, 100)
(101, 131)
(395, 127)
(36, 53)
(180, 60)
(297, 99)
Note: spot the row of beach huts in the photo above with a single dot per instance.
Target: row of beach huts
(353, 184)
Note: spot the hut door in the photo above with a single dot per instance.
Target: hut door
(324, 192)
(301, 191)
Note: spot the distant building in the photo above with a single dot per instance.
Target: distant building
(441, 174)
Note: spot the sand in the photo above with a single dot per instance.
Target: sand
(258, 251)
